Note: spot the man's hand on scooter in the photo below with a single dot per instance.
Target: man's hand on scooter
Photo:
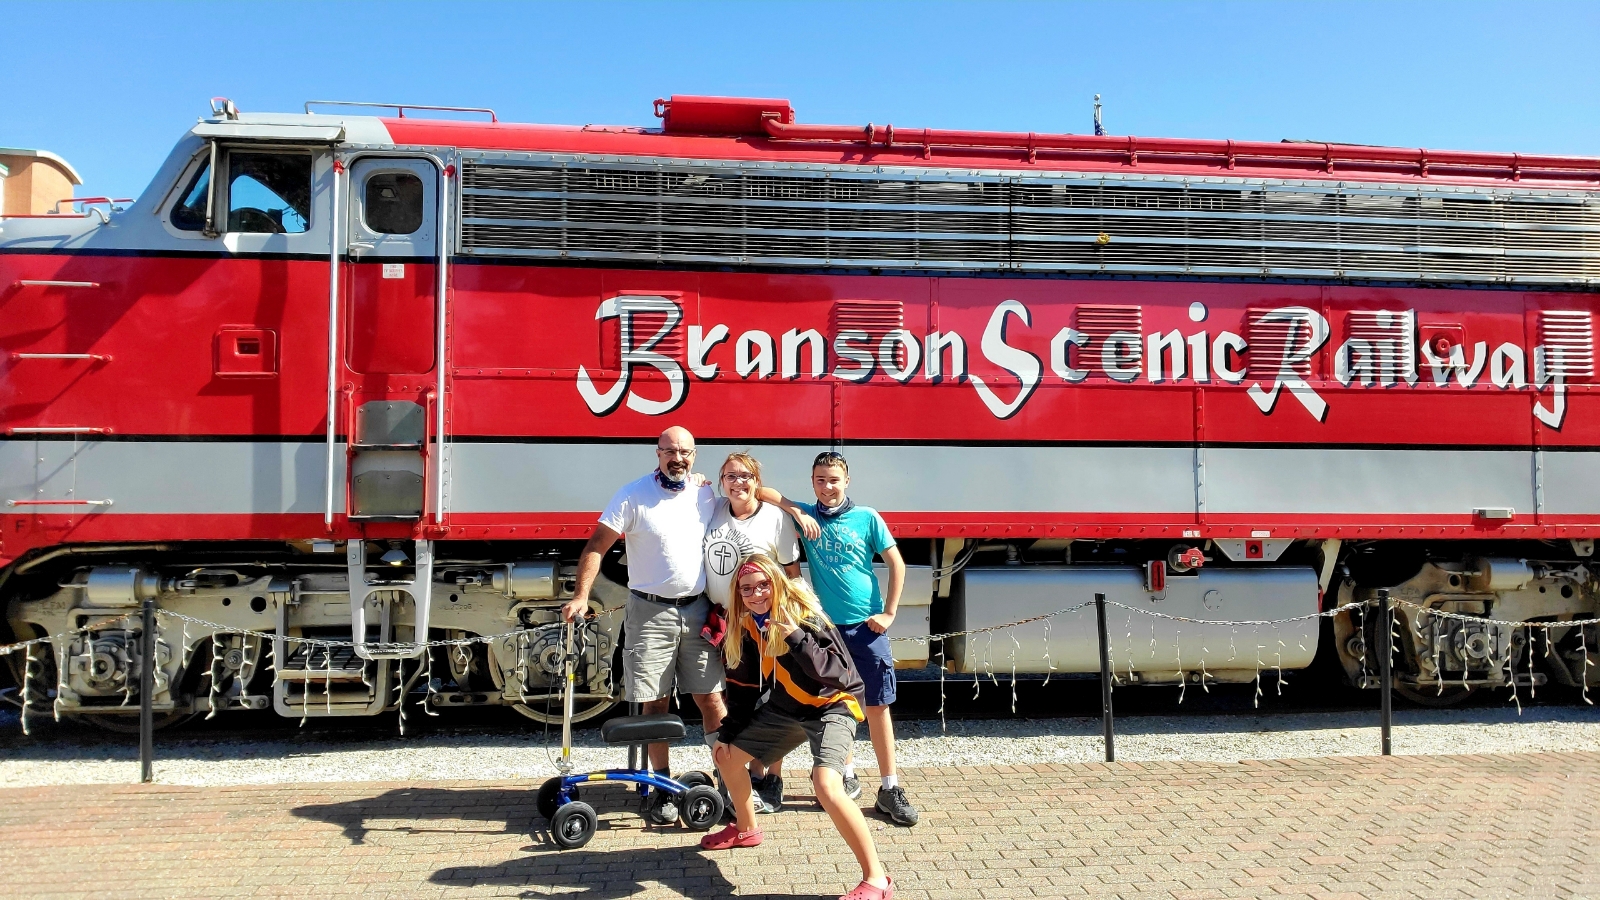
(574, 609)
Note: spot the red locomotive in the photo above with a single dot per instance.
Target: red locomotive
(346, 376)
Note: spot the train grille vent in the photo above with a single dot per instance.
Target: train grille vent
(1568, 340)
(875, 317)
(1389, 339)
(1277, 342)
(750, 214)
(1099, 323)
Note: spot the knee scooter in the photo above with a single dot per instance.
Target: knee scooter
(692, 800)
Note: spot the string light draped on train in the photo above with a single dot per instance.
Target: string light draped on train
(343, 390)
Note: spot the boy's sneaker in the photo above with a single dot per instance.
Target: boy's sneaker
(727, 802)
(852, 787)
(769, 794)
(892, 802)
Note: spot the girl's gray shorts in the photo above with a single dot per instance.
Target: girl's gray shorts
(771, 735)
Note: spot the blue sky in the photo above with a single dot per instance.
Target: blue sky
(111, 86)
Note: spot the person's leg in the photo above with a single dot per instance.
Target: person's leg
(881, 729)
(830, 741)
(731, 765)
(852, 826)
(699, 664)
(712, 710)
(648, 658)
(770, 785)
(659, 757)
(768, 737)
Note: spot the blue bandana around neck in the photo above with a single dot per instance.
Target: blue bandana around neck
(825, 512)
(761, 619)
(668, 483)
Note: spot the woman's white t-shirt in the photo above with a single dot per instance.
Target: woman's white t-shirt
(728, 540)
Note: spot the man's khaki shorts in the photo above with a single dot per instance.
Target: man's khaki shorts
(663, 644)
(771, 735)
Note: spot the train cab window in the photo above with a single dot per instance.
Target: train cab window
(269, 193)
(189, 214)
(394, 203)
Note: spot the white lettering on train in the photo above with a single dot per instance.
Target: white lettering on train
(1020, 363)
(1170, 357)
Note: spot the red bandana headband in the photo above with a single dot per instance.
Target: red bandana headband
(747, 569)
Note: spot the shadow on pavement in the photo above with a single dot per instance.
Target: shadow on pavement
(603, 874)
(516, 809)
(593, 872)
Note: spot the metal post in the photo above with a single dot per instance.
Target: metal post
(147, 692)
(565, 765)
(1105, 677)
(1386, 651)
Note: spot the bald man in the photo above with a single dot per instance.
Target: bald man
(663, 518)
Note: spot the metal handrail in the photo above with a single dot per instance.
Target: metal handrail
(106, 200)
(446, 173)
(333, 337)
(401, 108)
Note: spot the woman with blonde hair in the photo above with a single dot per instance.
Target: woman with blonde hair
(790, 681)
(742, 525)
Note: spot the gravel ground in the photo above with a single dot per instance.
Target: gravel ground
(84, 756)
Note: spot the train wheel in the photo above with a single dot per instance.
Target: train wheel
(581, 711)
(1431, 697)
(120, 724)
(573, 825)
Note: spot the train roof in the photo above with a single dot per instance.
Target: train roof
(766, 130)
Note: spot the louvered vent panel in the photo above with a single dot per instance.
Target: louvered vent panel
(1391, 336)
(1568, 339)
(1099, 323)
(1270, 340)
(876, 317)
(644, 323)
(745, 214)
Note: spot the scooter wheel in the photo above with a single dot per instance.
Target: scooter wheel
(550, 797)
(573, 825)
(701, 808)
(695, 779)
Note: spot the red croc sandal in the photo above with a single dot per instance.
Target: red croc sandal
(729, 838)
(865, 891)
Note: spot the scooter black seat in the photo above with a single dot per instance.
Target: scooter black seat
(642, 729)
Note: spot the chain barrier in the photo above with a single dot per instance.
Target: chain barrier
(8, 649)
(522, 636)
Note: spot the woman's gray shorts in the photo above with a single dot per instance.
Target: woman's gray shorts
(771, 735)
(663, 646)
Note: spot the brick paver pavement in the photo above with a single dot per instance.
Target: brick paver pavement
(1521, 825)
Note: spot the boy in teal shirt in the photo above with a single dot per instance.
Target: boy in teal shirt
(841, 573)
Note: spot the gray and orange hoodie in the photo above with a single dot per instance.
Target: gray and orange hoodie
(815, 678)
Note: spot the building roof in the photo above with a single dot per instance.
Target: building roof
(47, 156)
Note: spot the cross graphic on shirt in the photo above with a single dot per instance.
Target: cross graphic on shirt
(723, 554)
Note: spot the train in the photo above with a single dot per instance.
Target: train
(342, 392)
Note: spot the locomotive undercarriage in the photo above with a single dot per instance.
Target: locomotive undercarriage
(1442, 659)
(226, 638)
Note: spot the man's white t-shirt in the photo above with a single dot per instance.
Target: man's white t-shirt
(663, 532)
(728, 540)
